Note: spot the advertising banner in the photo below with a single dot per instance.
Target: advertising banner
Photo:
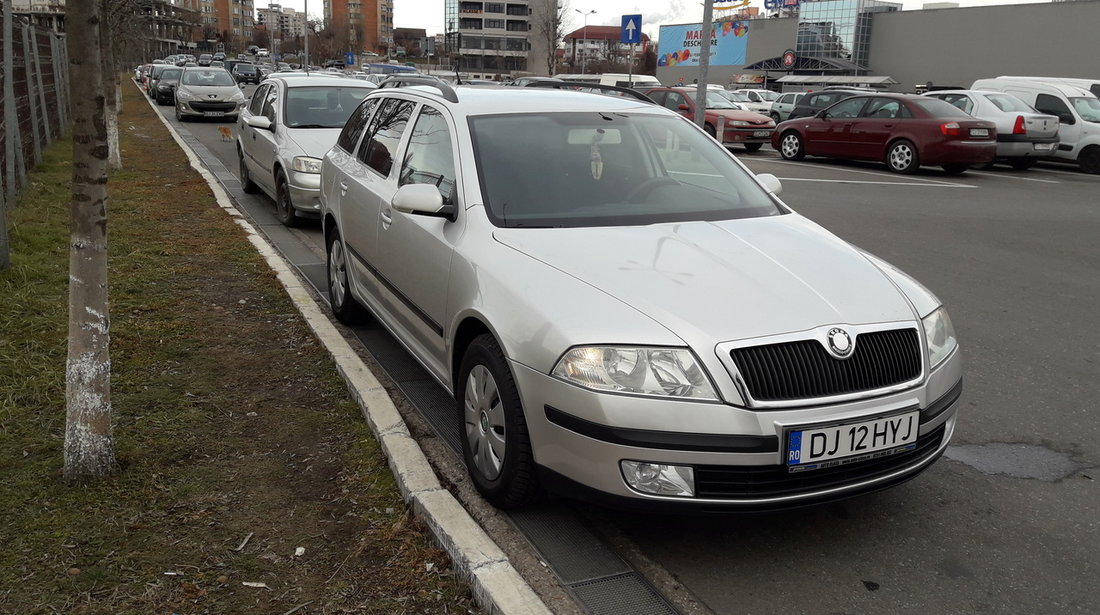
(680, 45)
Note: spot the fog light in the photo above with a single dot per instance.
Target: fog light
(659, 479)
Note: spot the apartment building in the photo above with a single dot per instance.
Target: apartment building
(488, 40)
(360, 25)
(227, 21)
(284, 20)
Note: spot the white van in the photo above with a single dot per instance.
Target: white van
(623, 80)
(1092, 85)
(1077, 110)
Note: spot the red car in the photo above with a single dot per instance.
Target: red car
(902, 130)
(739, 127)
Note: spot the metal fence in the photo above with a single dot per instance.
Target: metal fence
(35, 97)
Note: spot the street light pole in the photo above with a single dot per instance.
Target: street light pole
(584, 35)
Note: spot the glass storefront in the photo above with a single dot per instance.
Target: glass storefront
(838, 29)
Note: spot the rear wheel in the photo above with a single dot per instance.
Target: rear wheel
(955, 169)
(1090, 160)
(790, 146)
(902, 157)
(1022, 164)
(495, 443)
(344, 306)
(752, 147)
(775, 118)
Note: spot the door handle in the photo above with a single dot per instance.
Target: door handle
(887, 125)
(387, 218)
(343, 188)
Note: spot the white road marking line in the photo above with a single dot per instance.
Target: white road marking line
(1005, 175)
(870, 183)
(875, 173)
(1078, 174)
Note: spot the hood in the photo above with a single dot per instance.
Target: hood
(711, 282)
(313, 142)
(218, 92)
(744, 116)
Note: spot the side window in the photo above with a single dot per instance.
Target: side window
(821, 101)
(1053, 105)
(270, 104)
(847, 108)
(353, 129)
(258, 97)
(429, 158)
(380, 145)
(754, 97)
(882, 108)
(659, 97)
(960, 101)
(674, 100)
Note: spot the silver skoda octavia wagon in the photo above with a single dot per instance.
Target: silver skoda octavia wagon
(623, 311)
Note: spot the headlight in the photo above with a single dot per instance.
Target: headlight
(940, 336)
(164, 87)
(738, 123)
(182, 94)
(305, 164)
(658, 372)
(238, 95)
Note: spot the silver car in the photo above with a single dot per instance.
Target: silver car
(283, 132)
(623, 311)
(208, 92)
(782, 106)
(1024, 135)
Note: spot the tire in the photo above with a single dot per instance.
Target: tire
(791, 146)
(1089, 160)
(955, 169)
(753, 147)
(344, 306)
(776, 118)
(495, 442)
(284, 208)
(247, 184)
(1022, 164)
(902, 157)
(179, 116)
(710, 130)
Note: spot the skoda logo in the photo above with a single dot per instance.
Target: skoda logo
(840, 343)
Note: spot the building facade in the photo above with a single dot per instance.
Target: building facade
(285, 21)
(867, 41)
(360, 26)
(228, 22)
(599, 49)
(488, 40)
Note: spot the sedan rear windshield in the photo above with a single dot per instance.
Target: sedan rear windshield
(322, 106)
(608, 169)
(1009, 103)
(938, 108)
(245, 68)
(210, 77)
(171, 75)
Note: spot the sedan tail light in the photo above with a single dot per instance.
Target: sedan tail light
(1018, 128)
(950, 129)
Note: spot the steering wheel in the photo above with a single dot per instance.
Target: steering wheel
(648, 186)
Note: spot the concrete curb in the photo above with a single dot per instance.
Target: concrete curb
(496, 585)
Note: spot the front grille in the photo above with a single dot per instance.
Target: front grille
(805, 370)
(199, 105)
(758, 482)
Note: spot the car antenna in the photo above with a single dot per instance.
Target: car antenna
(458, 77)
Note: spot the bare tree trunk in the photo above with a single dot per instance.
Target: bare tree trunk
(110, 79)
(9, 145)
(89, 450)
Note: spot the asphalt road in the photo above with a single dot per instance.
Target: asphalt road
(1006, 523)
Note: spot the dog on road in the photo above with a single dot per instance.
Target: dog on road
(226, 133)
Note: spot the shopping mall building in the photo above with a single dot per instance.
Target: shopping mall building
(809, 43)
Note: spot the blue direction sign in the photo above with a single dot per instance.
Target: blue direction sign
(632, 29)
(349, 59)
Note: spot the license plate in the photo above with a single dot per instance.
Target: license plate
(979, 132)
(762, 133)
(1043, 147)
(814, 448)
(213, 113)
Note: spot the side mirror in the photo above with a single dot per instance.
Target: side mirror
(684, 108)
(259, 121)
(770, 182)
(1066, 118)
(422, 200)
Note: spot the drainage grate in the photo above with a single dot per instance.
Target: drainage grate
(570, 548)
(628, 594)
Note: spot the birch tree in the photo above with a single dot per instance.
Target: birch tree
(89, 449)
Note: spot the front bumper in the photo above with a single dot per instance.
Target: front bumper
(748, 134)
(198, 108)
(305, 191)
(579, 438)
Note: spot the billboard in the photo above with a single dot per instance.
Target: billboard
(680, 45)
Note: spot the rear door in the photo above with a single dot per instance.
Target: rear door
(340, 161)
(879, 120)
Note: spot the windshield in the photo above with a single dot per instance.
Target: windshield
(1009, 103)
(767, 95)
(738, 96)
(608, 169)
(208, 77)
(938, 108)
(322, 106)
(717, 101)
(1087, 107)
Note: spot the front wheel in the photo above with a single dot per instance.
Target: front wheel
(344, 306)
(495, 442)
(1089, 160)
(752, 147)
(902, 157)
(790, 146)
(247, 184)
(284, 207)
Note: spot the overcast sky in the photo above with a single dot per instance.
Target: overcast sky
(428, 14)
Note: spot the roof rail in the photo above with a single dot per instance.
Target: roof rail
(594, 88)
(402, 80)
